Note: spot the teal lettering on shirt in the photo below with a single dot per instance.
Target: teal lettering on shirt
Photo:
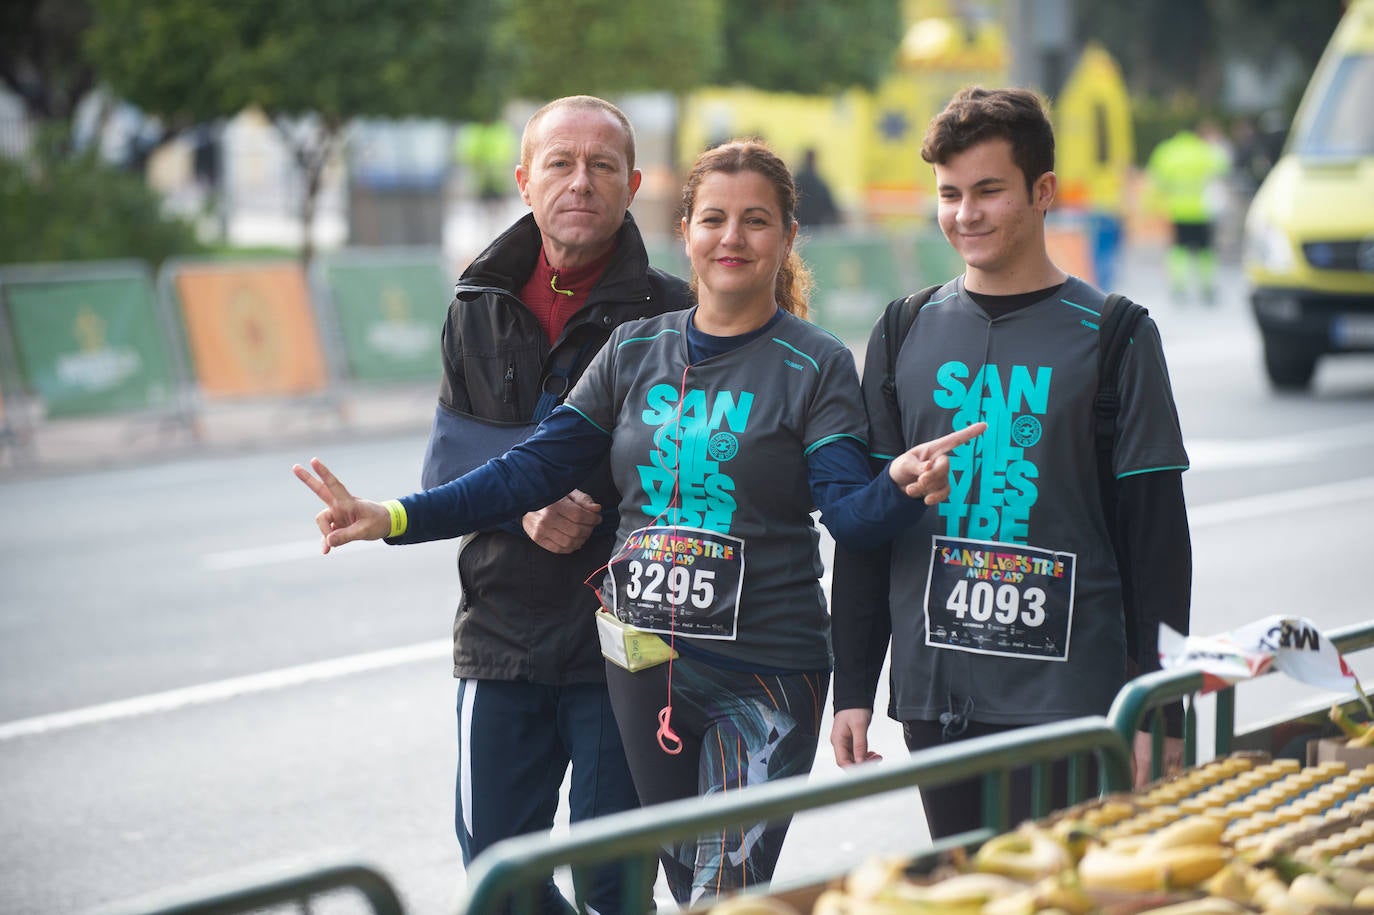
(684, 460)
(992, 480)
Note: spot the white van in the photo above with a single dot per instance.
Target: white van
(1309, 232)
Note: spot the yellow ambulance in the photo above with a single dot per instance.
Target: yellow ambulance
(1309, 232)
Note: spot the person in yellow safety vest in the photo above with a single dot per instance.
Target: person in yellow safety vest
(1185, 173)
(489, 151)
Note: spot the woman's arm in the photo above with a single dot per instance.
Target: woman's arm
(861, 510)
(532, 474)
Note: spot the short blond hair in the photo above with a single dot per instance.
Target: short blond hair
(586, 102)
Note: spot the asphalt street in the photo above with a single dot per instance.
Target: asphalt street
(189, 692)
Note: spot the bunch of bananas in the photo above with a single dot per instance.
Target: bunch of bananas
(1235, 836)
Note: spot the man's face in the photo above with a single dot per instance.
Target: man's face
(986, 213)
(578, 183)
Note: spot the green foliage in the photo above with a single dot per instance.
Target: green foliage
(1169, 48)
(65, 208)
(190, 61)
(610, 47)
(809, 46)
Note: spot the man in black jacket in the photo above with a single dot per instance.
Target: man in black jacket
(529, 314)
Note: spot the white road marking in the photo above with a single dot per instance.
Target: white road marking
(1226, 454)
(228, 560)
(174, 699)
(1247, 508)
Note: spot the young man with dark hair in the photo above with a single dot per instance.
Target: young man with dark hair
(1026, 598)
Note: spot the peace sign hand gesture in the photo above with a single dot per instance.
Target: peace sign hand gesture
(923, 472)
(344, 518)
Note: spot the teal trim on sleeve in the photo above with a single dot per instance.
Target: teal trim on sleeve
(815, 365)
(834, 438)
(882, 457)
(587, 418)
(1136, 473)
(666, 330)
(1095, 314)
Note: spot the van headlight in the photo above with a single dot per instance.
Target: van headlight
(1268, 247)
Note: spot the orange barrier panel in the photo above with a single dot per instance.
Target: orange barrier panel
(250, 329)
(1071, 251)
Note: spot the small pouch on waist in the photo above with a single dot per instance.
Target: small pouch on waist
(627, 647)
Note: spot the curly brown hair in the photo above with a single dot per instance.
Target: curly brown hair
(793, 286)
(976, 114)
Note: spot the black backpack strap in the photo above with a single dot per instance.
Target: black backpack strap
(1119, 318)
(897, 319)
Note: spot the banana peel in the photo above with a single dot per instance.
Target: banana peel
(1316, 891)
(1233, 882)
(1028, 853)
(1197, 829)
(1177, 867)
(1207, 905)
(1076, 835)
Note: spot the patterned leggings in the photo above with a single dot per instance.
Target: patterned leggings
(737, 729)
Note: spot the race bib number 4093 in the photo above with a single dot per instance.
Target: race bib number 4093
(678, 579)
(999, 598)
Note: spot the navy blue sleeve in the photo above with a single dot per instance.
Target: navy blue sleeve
(532, 474)
(860, 509)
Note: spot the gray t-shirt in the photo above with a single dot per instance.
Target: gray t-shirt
(1008, 596)
(721, 447)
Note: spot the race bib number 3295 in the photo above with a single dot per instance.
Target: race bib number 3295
(1000, 598)
(678, 579)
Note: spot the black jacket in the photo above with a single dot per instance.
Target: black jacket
(525, 613)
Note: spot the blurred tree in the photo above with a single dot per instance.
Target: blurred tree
(63, 207)
(311, 66)
(1180, 47)
(809, 46)
(41, 59)
(610, 47)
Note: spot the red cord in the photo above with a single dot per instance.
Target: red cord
(667, 737)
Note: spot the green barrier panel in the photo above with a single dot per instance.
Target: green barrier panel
(856, 276)
(89, 338)
(390, 308)
(936, 261)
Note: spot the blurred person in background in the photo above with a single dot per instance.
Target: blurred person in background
(816, 207)
(725, 425)
(1036, 590)
(1187, 175)
(529, 314)
(486, 151)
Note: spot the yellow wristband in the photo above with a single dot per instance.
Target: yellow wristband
(399, 521)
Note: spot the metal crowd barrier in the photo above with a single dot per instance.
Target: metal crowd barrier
(507, 876)
(299, 888)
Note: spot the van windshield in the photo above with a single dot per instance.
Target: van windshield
(1340, 124)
